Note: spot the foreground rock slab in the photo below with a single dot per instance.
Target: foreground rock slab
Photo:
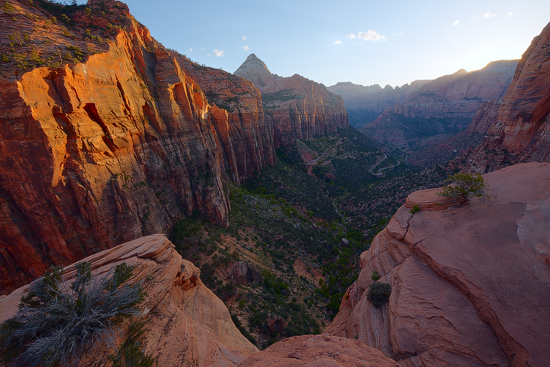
(319, 351)
(470, 284)
(188, 325)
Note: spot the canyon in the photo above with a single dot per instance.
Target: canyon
(121, 141)
(442, 107)
(365, 103)
(109, 140)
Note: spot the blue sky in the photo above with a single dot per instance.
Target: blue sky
(366, 42)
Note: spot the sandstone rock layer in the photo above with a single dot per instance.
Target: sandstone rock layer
(295, 107)
(317, 350)
(470, 285)
(118, 146)
(188, 325)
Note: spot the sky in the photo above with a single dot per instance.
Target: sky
(364, 42)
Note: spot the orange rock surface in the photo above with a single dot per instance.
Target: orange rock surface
(317, 350)
(469, 284)
(187, 324)
(521, 131)
(295, 107)
(118, 146)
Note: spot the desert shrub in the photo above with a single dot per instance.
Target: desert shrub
(130, 352)
(375, 276)
(415, 209)
(8, 8)
(56, 323)
(379, 293)
(466, 185)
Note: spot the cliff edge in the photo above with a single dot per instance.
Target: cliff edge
(470, 284)
(187, 324)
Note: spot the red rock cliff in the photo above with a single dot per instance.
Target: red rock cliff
(469, 284)
(295, 107)
(521, 130)
(112, 140)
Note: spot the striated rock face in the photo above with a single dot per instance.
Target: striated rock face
(469, 284)
(364, 104)
(485, 116)
(187, 324)
(316, 350)
(295, 107)
(521, 130)
(120, 145)
(442, 107)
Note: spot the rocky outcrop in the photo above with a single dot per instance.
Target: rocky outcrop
(243, 273)
(442, 107)
(469, 284)
(187, 324)
(521, 130)
(295, 107)
(365, 103)
(316, 350)
(485, 116)
(112, 143)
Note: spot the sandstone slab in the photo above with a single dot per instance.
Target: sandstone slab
(319, 351)
(470, 284)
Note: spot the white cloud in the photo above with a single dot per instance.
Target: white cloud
(457, 22)
(350, 36)
(337, 42)
(244, 38)
(246, 48)
(510, 13)
(190, 50)
(371, 36)
(218, 53)
(398, 34)
(489, 15)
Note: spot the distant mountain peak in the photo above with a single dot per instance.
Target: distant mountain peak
(254, 70)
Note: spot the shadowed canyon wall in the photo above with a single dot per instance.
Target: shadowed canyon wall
(520, 132)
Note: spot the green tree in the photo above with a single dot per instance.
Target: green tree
(464, 186)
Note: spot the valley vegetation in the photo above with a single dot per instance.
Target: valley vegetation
(296, 230)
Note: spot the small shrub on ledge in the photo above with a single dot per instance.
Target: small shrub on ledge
(379, 293)
(464, 187)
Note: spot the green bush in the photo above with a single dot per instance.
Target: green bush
(415, 209)
(379, 293)
(130, 352)
(466, 185)
(55, 324)
(375, 276)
